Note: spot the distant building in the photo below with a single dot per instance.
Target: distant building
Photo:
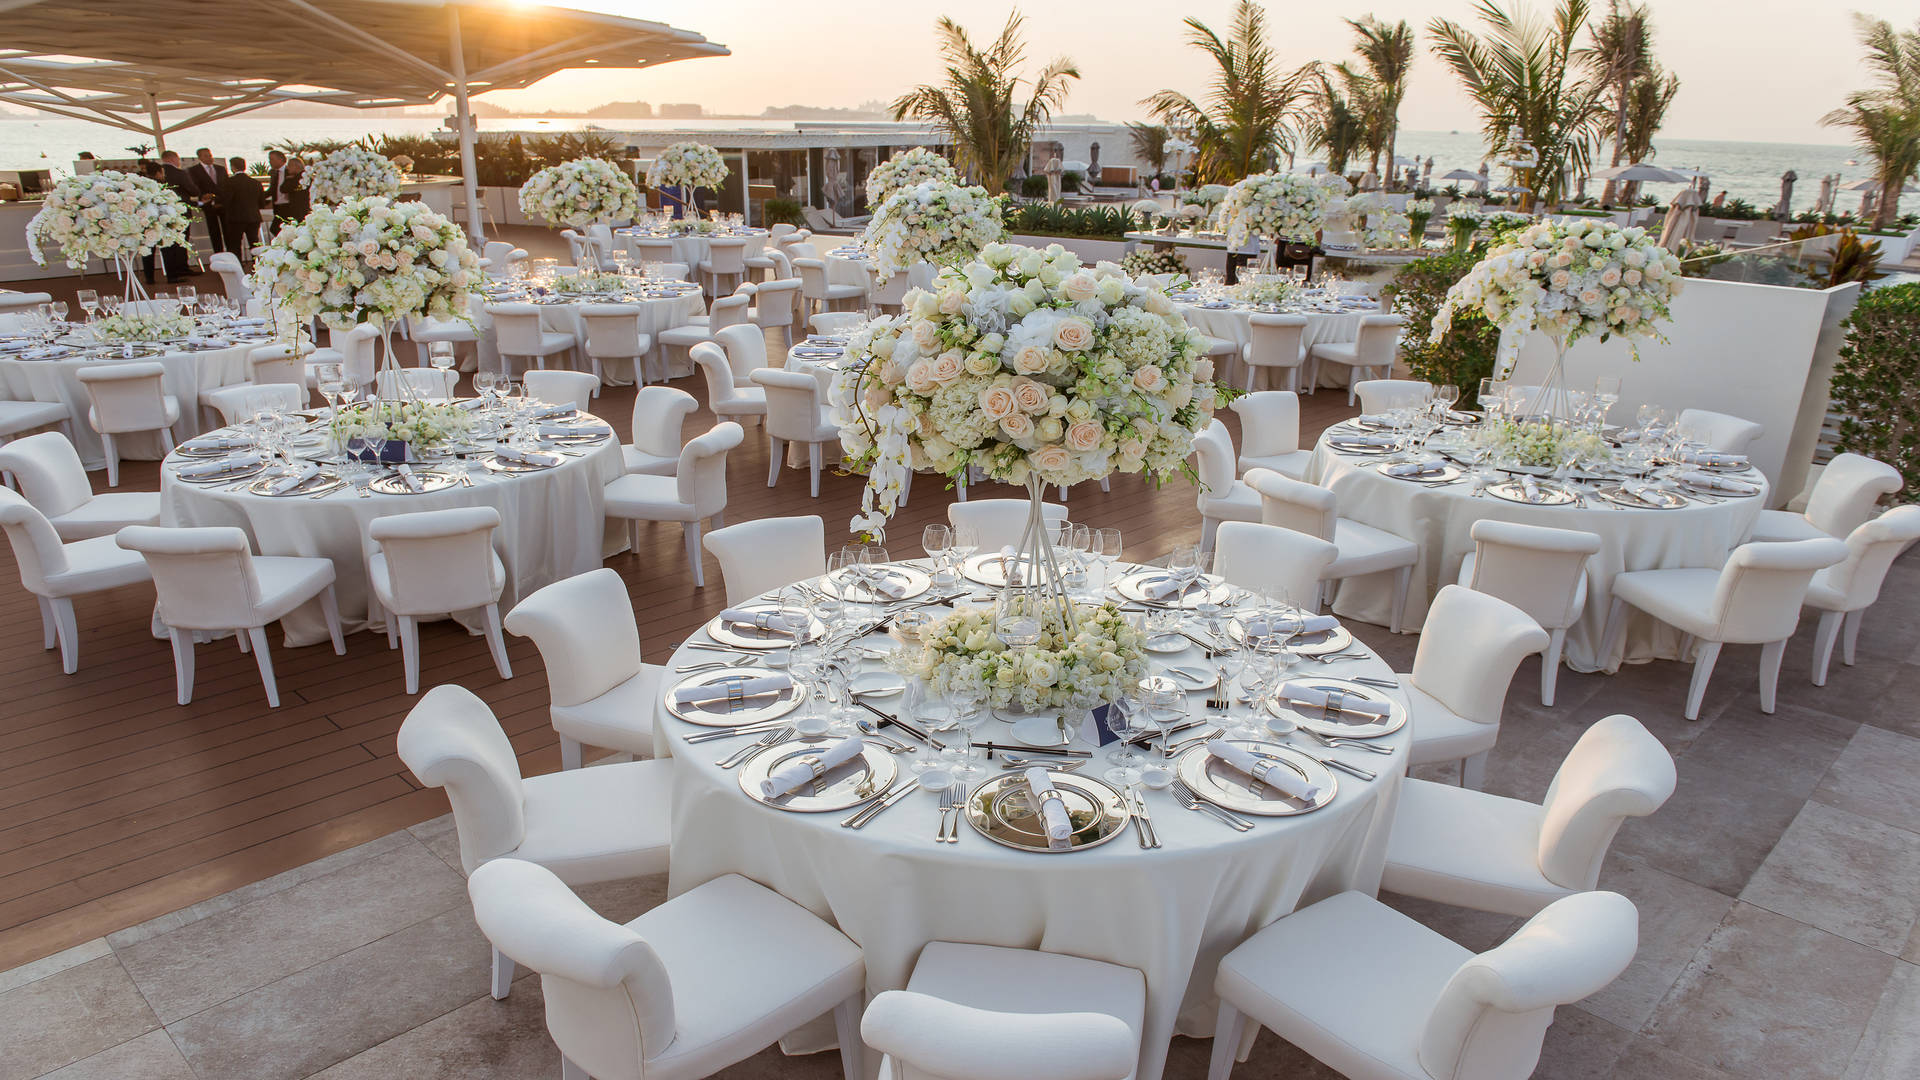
(682, 112)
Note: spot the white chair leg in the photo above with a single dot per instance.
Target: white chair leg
(1473, 771)
(393, 627)
(1770, 654)
(569, 753)
(1402, 581)
(68, 629)
(496, 643)
(50, 634)
(1616, 624)
(1550, 664)
(410, 651)
(846, 1025)
(1824, 636)
(776, 449)
(182, 665)
(262, 658)
(113, 460)
(330, 610)
(1703, 662)
(1208, 527)
(1226, 1042)
(692, 531)
(570, 1071)
(503, 968)
(813, 463)
(1850, 636)
(245, 643)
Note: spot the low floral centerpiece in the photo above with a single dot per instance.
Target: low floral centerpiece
(416, 425)
(107, 215)
(1097, 656)
(1266, 290)
(1146, 262)
(688, 165)
(125, 326)
(933, 222)
(580, 193)
(351, 172)
(908, 168)
(591, 283)
(1541, 444)
(1285, 206)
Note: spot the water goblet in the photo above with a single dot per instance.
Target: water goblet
(440, 355)
(60, 310)
(969, 714)
(936, 541)
(1445, 397)
(1019, 616)
(1124, 719)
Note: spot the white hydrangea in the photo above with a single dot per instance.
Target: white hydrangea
(1099, 658)
(689, 165)
(908, 168)
(106, 215)
(351, 172)
(580, 193)
(368, 260)
(933, 221)
(1284, 205)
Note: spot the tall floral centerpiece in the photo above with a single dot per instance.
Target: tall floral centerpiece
(1371, 220)
(111, 216)
(1280, 206)
(580, 193)
(688, 165)
(351, 172)
(908, 168)
(933, 222)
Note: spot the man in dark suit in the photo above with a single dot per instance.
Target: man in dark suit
(293, 186)
(276, 172)
(175, 257)
(206, 175)
(240, 199)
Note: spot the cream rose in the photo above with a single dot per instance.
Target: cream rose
(1031, 360)
(951, 301)
(1079, 287)
(1031, 396)
(1051, 458)
(1017, 425)
(982, 364)
(1073, 334)
(997, 403)
(1084, 436)
(1150, 378)
(920, 377)
(926, 335)
(947, 367)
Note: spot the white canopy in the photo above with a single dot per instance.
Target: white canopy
(1641, 172)
(129, 62)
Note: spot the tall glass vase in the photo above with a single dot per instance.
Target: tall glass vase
(1553, 402)
(128, 272)
(1040, 566)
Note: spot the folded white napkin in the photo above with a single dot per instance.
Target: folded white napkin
(1311, 624)
(217, 442)
(798, 771)
(765, 620)
(1312, 697)
(1376, 418)
(294, 479)
(250, 321)
(1012, 566)
(1369, 440)
(1710, 482)
(407, 477)
(700, 695)
(1711, 457)
(525, 457)
(552, 412)
(1276, 775)
(209, 342)
(1416, 468)
(220, 466)
(1170, 585)
(569, 431)
(1532, 489)
(470, 404)
(1052, 811)
(886, 585)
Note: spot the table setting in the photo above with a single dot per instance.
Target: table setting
(1226, 311)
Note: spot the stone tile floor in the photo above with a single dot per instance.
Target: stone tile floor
(1779, 896)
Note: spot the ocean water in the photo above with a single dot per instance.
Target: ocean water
(1746, 170)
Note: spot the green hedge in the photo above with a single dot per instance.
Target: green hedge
(1877, 378)
(1083, 222)
(1465, 355)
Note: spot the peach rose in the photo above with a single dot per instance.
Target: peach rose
(951, 301)
(947, 368)
(997, 403)
(1051, 458)
(1030, 360)
(1149, 378)
(1031, 396)
(926, 335)
(877, 395)
(1084, 435)
(1017, 426)
(1079, 287)
(1073, 334)
(920, 377)
(1132, 448)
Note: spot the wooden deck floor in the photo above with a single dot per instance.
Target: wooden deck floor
(116, 805)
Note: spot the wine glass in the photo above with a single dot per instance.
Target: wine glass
(89, 301)
(187, 295)
(966, 544)
(1019, 615)
(969, 714)
(1106, 546)
(1126, 718)
(440, 355)
(60, 310)
(936, 541)
(1445, 397)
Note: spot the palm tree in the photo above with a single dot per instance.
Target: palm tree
(1523, 77)
(1885, 120)
(1647, 102)
(1620, 56)
(1149, 144)
(975, 110)
(1387, 51)
(1335, 122)
(1248, 113)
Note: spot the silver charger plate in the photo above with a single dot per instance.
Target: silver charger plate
(1447, 474)
(1370, 423)
(1223, 785)
(227, 477)
(1348, 446)
(749, 636)
(393, 484)
(1318, 643)
(1003, 811)
(721, 713)
(911, 580)
(1206, 589)
(502, 465)
(312, 485)
(847, 784)
(988, 569)
(187, 449)
(1514, 492)
(1650, 499)
(1318, 720)
(1747, 491)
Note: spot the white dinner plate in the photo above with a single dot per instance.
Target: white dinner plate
(1330, 724)
(1223, 785)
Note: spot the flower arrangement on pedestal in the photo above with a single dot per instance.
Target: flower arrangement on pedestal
(908, 168)
(419, 424)
(351, 172)
(1145, 262)
(1419, 212)
(369, 260)
(688, 165)
(1284, 205)
(1096, 657)
(1370, 218)
(932, 222)
(580, 193)
(107, 215)
(124, 326)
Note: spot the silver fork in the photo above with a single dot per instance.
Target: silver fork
(958, 796)
(946, 808)
(1186, 797)
(741, 755)
(1336, 742)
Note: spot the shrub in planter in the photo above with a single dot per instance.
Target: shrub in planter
(783, 212)
(1034, 187)
(1876, 379)
(1465, 355)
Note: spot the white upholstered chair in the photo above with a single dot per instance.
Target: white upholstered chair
(998, 523)
(1380, 395)
(820, 295)
(795, 414)
(696, 492)
(1842, 592)
(1475, 850)
(501, 257)
(243, 400)
(725, 396)
(1268, 557)
(19, 417)
(562, 387)
(659, 413)
(985, 1012)
(836, 322)
(356, 349)
(1371, 354)
(768, 553)
(746, 349)
(52, 478)
(612, 332)
(725, 267)
(1270, 433)
(1220, 497)
(518, 335)
(1276, 344)
(56, 572)
(209, 579)
(1718, 431)
(1841, 501)
(606, 823)
(428, 384)
(602, 693)
(1469, 649)
(437, 562)
(270, 364)
(1402, 1002)
(704, 980)
(1539, 570)
(774, 306)
(233, 277)
(1754, 599)
(1303, 507)
(424, 330)
(128, 398)
(726, 311)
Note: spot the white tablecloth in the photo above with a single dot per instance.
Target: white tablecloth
(656, 314)
(187, 375)
(1171, 913)
(1440, 520)
(551, 527)
(1235, 324)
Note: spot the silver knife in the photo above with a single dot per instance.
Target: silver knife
(860, 817)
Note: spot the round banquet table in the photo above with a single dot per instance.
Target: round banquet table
(692, 249)
(1170, 912)
(551, 527)
(560, 313)
(1235, 323)
(1439, 519)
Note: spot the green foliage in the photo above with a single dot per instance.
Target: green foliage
(1034, 186)
(1071, 181)
(497, 162)
(1853, 260)
(1465, 355)
(1733, 209)
(783, 211)
(1876, 379)
(1088, 222)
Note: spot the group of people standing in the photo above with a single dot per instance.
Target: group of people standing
(236, 206)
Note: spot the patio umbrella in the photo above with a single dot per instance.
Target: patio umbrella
(1784, 212)
(1642, 172)
(1460, 174)
(1682, 213)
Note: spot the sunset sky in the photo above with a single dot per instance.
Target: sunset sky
(1760, 70)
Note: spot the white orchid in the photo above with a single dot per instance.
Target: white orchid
(908, 168)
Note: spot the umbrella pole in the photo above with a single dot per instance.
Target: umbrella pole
(463, 116)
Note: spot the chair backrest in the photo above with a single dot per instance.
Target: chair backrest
(782, 266)
(126, 397)
(773, 302)
(781, 229)
(500, 255)
(1469, 649)
(836, 322)
(612, 330)
(1256, 556)
(746, 348)
(49, 472)
(1378, 345)
(438, 560)
(516, 327)
(1491, 1017)
(658, 415)
(1616, 770)
(232, 276)
(891, 290)
(204, 576)
(1532, 567)
(1269, 422)
(653, 248)
(276, 364)
(793, 403)
(1295, 504)
(1275, 340)
(1871, 549)
(765, 554)
(1379, 395)
(609, 998)
(1719, 431)
(672, 271)
(586, 634)
(356, 353)
(1763, 585)
(702, 473)
(929, 1038)
(998, 523)
(711, 359)
(800, 249)
(1847, 491)
(1213, 460)
(726, 255)
(813, 277)
(728, 311)
(559, 386)
(242, 400)
(431, 384)
(36, 546)
(451, 739)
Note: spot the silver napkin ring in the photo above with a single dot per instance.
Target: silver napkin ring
(1336, 700)
(736, 694)
(812, 761)
(1261, 767)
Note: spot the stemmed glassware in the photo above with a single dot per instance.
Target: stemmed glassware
(440, 355)
(937, 541)
(1445, 397)
(966, 544)
(89, 302)
(1019, 616)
